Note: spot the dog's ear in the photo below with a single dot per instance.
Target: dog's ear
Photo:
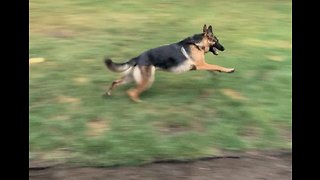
(210, 29)
(204, 29)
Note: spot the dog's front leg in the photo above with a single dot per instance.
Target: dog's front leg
(211, 67)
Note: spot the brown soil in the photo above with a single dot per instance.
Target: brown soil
(248, 166)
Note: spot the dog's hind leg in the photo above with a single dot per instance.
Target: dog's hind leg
(123, 80)
(144, 77)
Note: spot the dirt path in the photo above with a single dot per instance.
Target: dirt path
(249, 166)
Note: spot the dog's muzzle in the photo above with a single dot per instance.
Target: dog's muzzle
(214, 48)
(219, 46)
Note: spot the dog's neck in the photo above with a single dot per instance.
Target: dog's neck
(200, 47)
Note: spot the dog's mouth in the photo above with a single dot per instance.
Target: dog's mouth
(214, 48)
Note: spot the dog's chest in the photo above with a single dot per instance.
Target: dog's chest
(186, 65)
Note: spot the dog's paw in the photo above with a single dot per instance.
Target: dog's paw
(231, 70)
(133, 96)
(106, 94)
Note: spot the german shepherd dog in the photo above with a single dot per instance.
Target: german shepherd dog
(185, 55)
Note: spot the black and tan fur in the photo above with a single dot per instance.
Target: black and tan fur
(183, 56)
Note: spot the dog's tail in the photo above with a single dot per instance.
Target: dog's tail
(119, 67)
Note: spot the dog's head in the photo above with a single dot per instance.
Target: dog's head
(211, 41)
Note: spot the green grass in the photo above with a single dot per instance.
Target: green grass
(184, 116)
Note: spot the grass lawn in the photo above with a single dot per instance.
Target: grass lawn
(183, 116)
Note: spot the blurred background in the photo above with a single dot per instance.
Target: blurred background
(184, 116)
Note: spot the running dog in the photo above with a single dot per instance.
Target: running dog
(185, 55)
